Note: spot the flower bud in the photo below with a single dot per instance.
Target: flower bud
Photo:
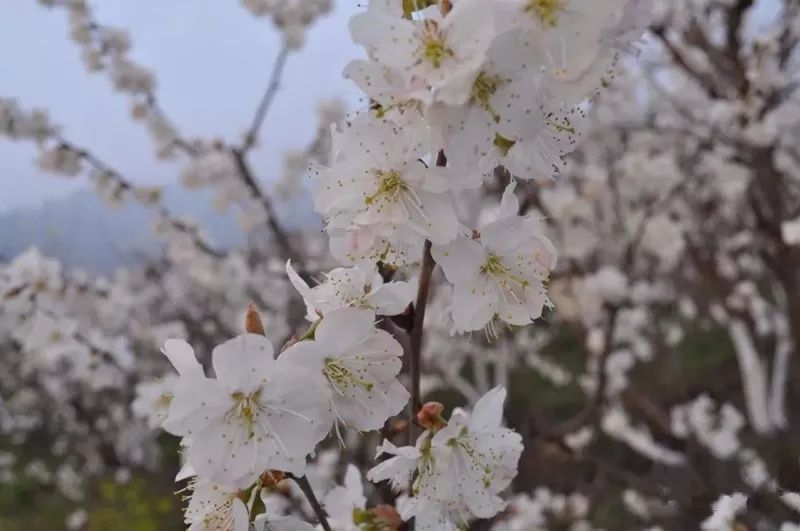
(271, 478)
(430, 416)
(252, 321)
(381, 518)
(387, 518)
(398, 425)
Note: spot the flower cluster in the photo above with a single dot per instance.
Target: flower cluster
(459, 467)
(252, 419)
(458, 91)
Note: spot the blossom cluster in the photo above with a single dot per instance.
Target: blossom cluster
(458, 91)
(252, 419)
(291, 18)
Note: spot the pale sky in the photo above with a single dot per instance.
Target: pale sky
(212, 60)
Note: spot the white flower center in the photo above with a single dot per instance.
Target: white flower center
(546, 11)
(342, 377)
(390, 186)
(433, 48)
(246, 409)
(494, 267)
(483, 89)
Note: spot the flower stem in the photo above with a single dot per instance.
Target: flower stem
(308, 492)
(415, 350)
(415, 353)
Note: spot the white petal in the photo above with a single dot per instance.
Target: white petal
(460, 259)
(341, 330)
(390, 40)
(195, 402)
(244, 362)
(302, 288)
(181, 356)
(225, 453)
(394, 297)
(509, 204)
(296, 417)
(488, 411)
(474, 303)
(241, 517)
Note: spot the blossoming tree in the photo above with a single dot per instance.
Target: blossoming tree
(446, 200)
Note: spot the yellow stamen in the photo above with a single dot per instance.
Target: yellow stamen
(546, 11)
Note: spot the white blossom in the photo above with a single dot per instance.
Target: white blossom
(343, 501)
(252, 417)
(215, 507)
(353, 287)
(435, 53)
(379, 199)
(500, 273)
(360, 364)
(725, 510)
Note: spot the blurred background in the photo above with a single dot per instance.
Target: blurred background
(144, 195)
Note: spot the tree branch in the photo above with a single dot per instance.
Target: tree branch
(251, 137)
(125, 185)
(308, 492)
(706, 82)
(246, 174)
(415, 351)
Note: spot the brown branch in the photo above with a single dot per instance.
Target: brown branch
(704, 81)
(415, 343)
(733, 50)
(246, 174)
(308, 492)
(125, 185)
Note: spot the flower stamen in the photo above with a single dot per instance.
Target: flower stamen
(342, 377)
(483, 89)
(434, 46)
(546, 11)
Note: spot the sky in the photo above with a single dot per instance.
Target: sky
(212, 61)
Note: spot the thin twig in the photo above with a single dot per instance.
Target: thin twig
(127, 186)
(308, 492)
(287, 251)
(705, 81)
(264, 105)
(415, 352)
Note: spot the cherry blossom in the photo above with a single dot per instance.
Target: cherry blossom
(436, 53)
(344, 502)
(360, 364)
(379, 199)
(251, 417)
(484, 455)
(353, 287)
(215, 507)
(500, 273)
(460, 468)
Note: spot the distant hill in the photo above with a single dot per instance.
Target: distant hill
(83, 232)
